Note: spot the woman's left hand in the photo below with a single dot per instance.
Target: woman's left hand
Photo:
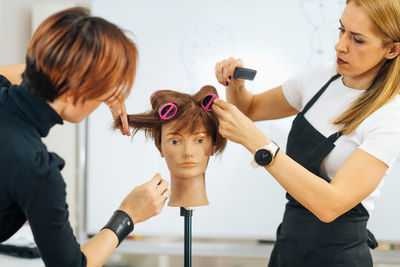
(118, 110)
(238, 128)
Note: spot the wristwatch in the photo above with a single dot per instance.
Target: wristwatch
(266, 155)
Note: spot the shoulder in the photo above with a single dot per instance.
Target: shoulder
(301, 87)
(39, 179)
(380, 132)
(4, 82)
(42, 163)
(322, 72)
(387, 114)
(39, 169)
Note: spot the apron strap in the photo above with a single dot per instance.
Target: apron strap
(371, 241)
(333, 137)
(317, 95)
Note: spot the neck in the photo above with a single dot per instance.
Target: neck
(188, 192)
(57, 105)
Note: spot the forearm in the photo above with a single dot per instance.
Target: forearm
(99, 248)
(240, 97)
(314, 193)
(13, 72)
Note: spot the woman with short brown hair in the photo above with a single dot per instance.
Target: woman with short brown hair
(74, 63)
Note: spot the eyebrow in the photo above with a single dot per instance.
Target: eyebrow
(195, 133)
(174, 133)
(354, 33)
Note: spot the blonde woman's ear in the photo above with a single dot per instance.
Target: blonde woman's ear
(394, 51)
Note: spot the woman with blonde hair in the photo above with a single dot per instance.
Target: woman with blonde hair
(74, 63)
(344, 138)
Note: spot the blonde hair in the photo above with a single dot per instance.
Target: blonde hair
(385, 15)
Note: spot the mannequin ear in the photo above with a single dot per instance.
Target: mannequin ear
(394, 51)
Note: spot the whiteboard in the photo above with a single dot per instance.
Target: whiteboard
(179, 43)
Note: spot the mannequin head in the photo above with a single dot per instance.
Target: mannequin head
(186, 141)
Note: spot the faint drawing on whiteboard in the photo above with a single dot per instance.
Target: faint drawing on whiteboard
(202, 47)
(324, 17)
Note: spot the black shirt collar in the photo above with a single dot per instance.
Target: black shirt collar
(35, 109)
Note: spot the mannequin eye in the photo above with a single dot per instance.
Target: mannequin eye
(174, 141)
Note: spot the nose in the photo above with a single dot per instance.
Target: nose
(188, 149)
(342, 44)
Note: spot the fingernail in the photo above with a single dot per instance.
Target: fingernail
(227, 83)
(230, 77)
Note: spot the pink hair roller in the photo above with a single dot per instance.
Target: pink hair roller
(167, 111)
(207, 102)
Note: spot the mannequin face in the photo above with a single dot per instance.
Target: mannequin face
(186, 154)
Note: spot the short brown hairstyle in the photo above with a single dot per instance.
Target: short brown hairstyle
(74, 52)
(189, 117)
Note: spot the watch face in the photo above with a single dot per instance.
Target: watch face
(263, 157)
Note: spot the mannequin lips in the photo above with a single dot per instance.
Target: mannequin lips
(188, 164)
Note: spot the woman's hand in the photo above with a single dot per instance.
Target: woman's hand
(224, 72)
(146, 200)
(118, 110)
(238, 128)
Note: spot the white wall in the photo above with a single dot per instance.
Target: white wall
(18, 19)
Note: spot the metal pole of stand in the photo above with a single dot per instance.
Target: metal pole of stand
(188, 236)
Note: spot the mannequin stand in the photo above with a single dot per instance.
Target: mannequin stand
(188, 236)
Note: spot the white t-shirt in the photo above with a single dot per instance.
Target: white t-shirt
(378, 135)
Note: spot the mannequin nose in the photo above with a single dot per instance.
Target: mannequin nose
(188, 149)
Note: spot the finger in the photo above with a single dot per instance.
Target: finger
(218, 73)
(222, 115)
(218, 102)
(166, 194)
(225, 73)
(218, 111)
(228, 107)
(162, 186)
(156, 180)
(124, 120)
(235, 63)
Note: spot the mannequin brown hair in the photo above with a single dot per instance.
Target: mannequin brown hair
(189, 117)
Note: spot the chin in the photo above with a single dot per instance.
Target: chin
(73, 120)
(188, 174)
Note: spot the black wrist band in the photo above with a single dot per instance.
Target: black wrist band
(121, 224)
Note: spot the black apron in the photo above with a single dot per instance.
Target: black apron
(304, 240)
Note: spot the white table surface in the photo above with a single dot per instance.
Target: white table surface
(10, 261)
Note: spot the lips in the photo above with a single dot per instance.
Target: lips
(188, 164)
(340, 61)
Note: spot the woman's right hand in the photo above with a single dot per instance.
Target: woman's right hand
(224, 72)
(147, 200)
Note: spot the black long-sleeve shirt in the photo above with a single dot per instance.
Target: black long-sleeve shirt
(31, 186)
